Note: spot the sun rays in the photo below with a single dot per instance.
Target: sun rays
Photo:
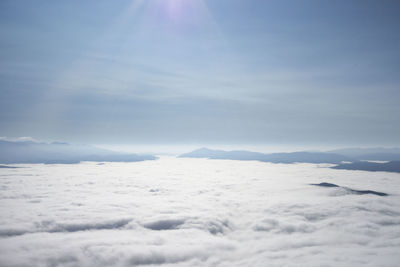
(148, 53)
(106, 66)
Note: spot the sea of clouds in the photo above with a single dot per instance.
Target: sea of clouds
(196, 212)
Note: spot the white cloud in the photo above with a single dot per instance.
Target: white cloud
(196, 212)
(18, 139)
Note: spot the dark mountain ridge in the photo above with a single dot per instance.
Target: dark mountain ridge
(343, 161)
(392, 166)
(301, 157)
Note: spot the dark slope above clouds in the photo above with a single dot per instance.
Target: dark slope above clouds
(384, 154)
(352, 191)
(302, 157)
(392, 166)
(56, 152)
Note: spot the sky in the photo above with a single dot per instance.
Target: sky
(201, 71)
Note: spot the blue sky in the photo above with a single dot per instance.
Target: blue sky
(201, 71)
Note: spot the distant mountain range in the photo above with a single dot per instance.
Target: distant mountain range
(303, 156)
(58, 152)
(350, 159)
(380, 154)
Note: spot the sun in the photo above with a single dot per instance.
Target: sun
(179, 9)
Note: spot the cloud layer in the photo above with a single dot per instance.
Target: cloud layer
(196, 212)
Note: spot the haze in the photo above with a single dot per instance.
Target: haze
(198, 71)
(199, 133)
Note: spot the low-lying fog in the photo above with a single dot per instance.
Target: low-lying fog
(197, 212)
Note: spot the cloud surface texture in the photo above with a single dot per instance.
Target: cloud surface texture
(196, 212)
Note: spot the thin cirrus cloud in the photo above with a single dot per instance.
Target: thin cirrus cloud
(207, 67)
